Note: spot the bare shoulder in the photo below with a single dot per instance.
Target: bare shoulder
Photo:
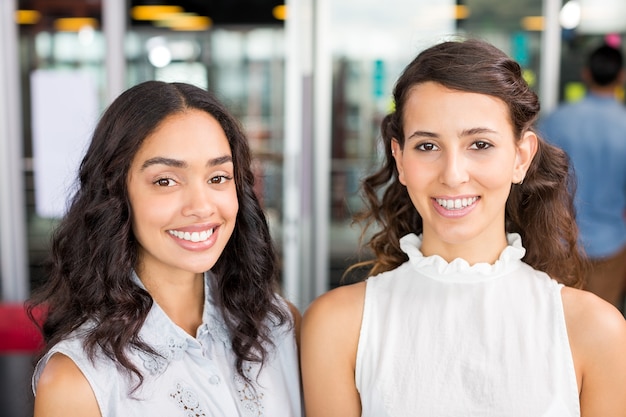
(342, 306)
(330, 335)
(335, 318)
(597, 336)
(592, 320)
(63, 390)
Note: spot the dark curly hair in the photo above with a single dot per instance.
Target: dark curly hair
(94, 250)
(541, 209)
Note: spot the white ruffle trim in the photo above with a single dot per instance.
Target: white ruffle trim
(459, 269)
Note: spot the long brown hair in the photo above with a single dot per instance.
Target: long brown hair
(540, 209)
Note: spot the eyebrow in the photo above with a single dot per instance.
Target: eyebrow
(422, 134)
(466, 132)
(477, 131)
(177, 163)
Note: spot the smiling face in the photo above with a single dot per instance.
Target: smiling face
(459, 160)
(182, 195)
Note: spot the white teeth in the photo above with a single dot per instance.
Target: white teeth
(192, 237)
(456, 204)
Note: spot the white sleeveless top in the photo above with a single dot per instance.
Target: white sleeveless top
(195, 376)
(449, 339)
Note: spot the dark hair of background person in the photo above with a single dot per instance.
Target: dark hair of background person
(94, 250)
(540, 209)
(605, 64)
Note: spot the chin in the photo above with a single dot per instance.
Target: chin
(201, 269)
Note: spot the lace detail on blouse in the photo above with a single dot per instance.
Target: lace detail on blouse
(250, 397)
(187, 400)
(173, 349)
(459, 269)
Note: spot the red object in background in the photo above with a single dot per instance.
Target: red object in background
(18, 334)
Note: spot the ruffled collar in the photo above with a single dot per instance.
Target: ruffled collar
(459, 270)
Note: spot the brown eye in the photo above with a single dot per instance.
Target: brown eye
(164, 182)
(220, 179)
(427, 146)
(481, 145)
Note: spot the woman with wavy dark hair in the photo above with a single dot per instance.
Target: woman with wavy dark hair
(472, 306)
(162, 289)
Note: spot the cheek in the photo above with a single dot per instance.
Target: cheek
(420, 184)
(418, 176)
(497, 174)
(408, 171)
(233, 209)
(146, 213)
(496, 183)
(229, 204)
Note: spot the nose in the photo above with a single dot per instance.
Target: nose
(453, 170)
(198, 200)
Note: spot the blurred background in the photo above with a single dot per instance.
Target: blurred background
(310, 81)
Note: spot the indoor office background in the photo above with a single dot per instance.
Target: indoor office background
(310, 81)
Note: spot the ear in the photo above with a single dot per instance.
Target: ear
(526, 150)
(396, 152)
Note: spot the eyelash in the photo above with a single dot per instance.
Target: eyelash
(422, 146)
(168, 182)
(223, 179)
(484, 144)
(160, 181)
(478, 145)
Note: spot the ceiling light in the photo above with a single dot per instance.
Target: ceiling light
(27, 17)
(74, 24)
(461, 12)
(160, 56)
(533, 23)
(186, 21)
(569, 16)
(280, 12)
(154, 12)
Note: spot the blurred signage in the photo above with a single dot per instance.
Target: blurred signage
(520, 49)
(64, 113)
(378, 79)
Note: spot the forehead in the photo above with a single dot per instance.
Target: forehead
(434, 104)
(187, 135)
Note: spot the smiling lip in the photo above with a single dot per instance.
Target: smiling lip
(455, 207)
(456, 203)
(195, 236)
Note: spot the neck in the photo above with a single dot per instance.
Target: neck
(604, 91)
(473, 251)
(181, 300)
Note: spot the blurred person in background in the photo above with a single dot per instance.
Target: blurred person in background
(162, 290)
(592, 132)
